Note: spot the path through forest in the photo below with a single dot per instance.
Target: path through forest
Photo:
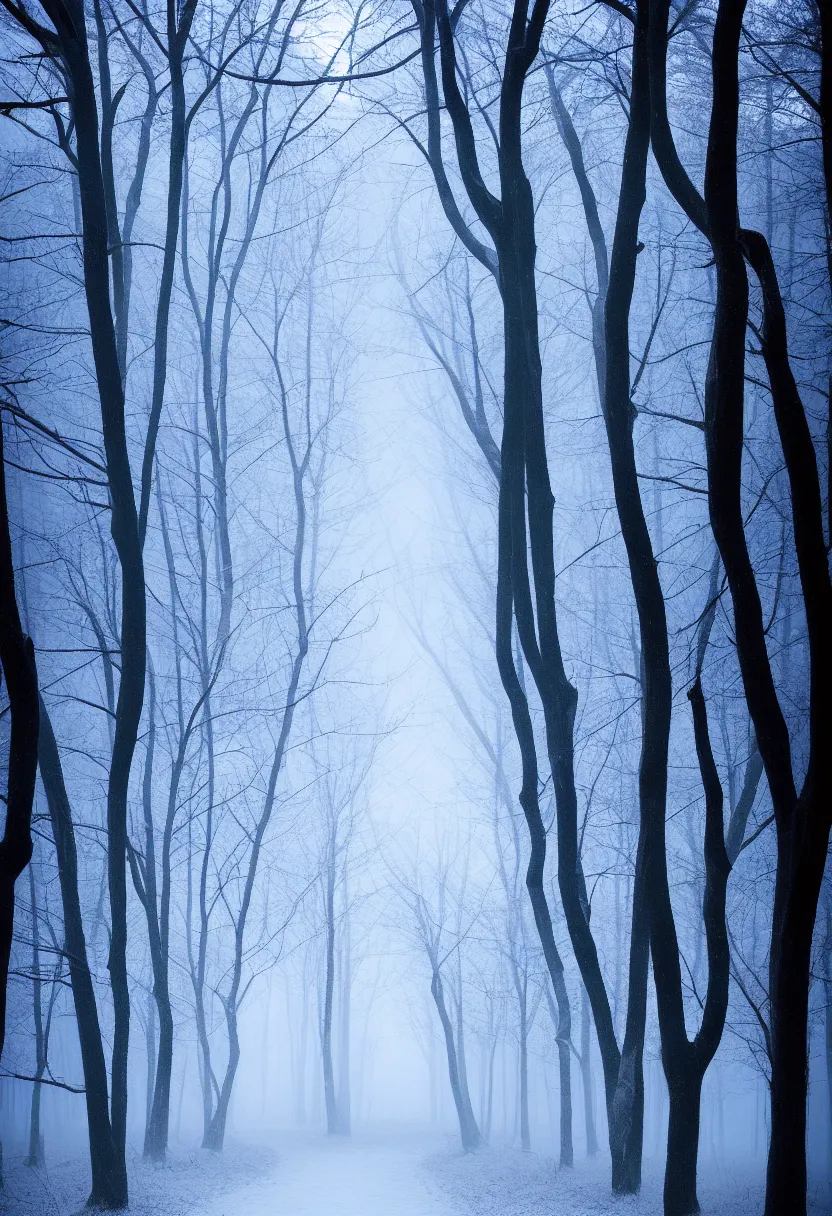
(363, 1176)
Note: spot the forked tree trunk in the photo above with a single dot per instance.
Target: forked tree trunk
(802, 819)
(525, 493)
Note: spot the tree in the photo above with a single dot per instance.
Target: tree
(525, 532)
(430, 915)
(66, 46)
(801, 816)
(17, 661)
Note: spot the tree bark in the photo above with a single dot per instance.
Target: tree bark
(109, 1175)
(17, 664)
(525, 493)
(68, 45)
(586, 1077)
(468, 1130)
(34, 1156)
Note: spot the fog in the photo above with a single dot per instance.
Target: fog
(414, 608)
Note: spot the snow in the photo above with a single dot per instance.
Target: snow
(394, 1173)
(508, 1182)
(181, 1187)
(366, 1175)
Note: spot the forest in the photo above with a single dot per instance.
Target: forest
(415, 607)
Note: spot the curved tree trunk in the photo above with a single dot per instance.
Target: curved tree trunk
(468, 1130)
(802, 819)
(109, 1177)
(17, 665)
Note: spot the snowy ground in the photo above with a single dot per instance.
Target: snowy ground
(382, 1174)
(184, 1186)
(369, 1175)
(507, 1182)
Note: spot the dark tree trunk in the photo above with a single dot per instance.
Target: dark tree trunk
(683, 1146)
(157, 1130)
(653, 901)
(17, 665)
(109, 1176)
(34, 1157)
(525, 493)
(178, 30)
(685, 1063)
(156, 904)
(563, 1023)
(624, 1081)
(70, 46)
(790, 971)
(802, 820)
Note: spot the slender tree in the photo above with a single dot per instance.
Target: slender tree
(525, 535)
(802, 815)
(17, 661)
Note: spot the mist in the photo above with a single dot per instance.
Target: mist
(415, 721)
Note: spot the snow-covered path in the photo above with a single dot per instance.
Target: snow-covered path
(357, 1177)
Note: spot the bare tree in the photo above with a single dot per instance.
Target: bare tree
(17, 660)
(801, 816)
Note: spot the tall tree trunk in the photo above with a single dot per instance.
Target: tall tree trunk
(150, 1039)
(468, 1130)
(158, 916)
(109, 1179)
(17, 667)
(179, 22)
(525, 1134)
(330, 1100)
(525, 489)
(69, 19)
(214, 1137)
(564, 1037)
(344, 1101)
(461, 1053)
(586, 1077)
(684, 1062)
(802, 819)
(34, 1157)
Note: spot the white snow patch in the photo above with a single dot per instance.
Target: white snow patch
(180, 1187)
(365, 1175)
(508, 1182)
